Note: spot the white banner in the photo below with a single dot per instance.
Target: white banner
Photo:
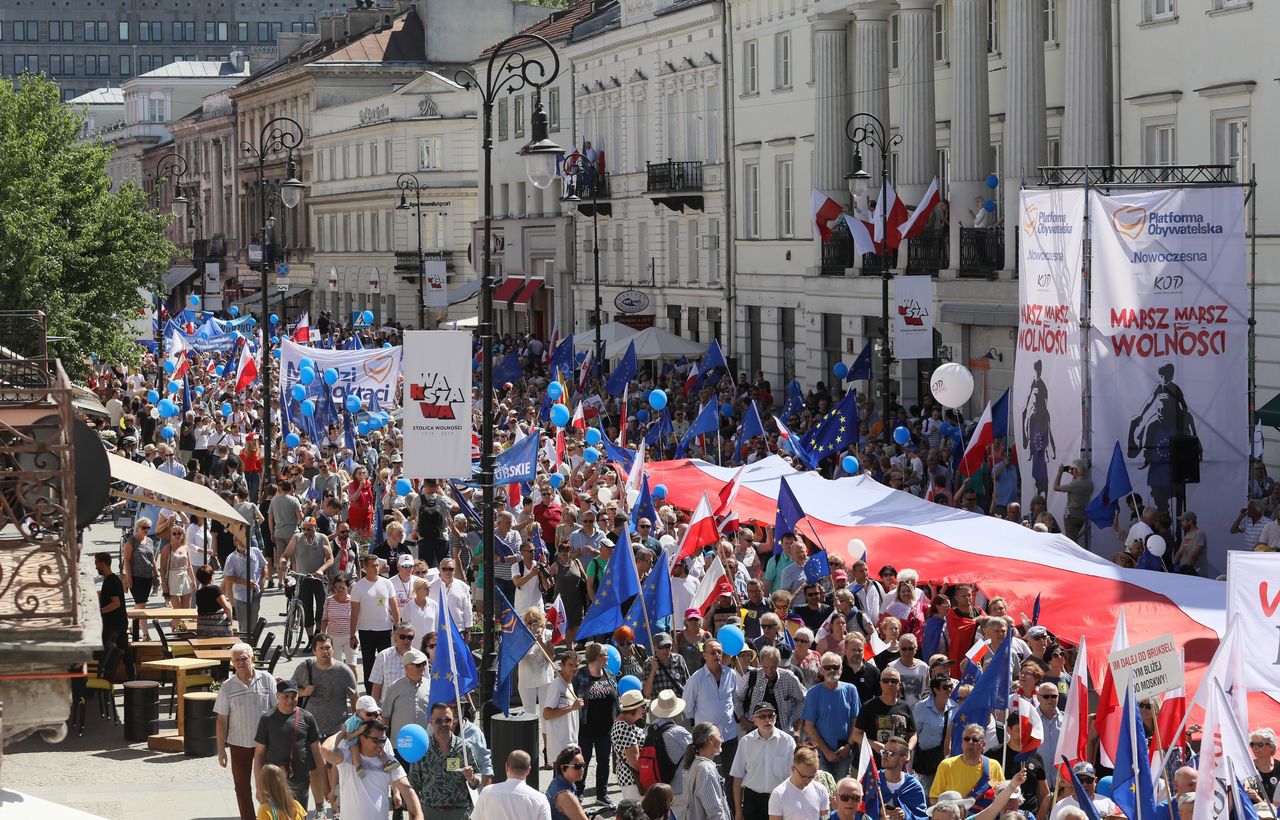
(1168, 349)
(437, 404)
(1047, 376)
(1154, 667)
(1253, 611)
(371, 374)
(436, 293)
(913, 298)
(212, 280)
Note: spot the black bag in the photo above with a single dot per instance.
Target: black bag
(431, 518)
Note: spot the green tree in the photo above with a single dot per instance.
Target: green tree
(69, 244)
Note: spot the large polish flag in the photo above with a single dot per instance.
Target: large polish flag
(1002, 558)
(714, 583)
(701, 532)
(1106, 720)
(246, 369)
(825, 211)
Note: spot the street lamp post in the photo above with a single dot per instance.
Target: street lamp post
(578, 167)
(874, 135)
(279, 134)
(407, 182)
(509, 70)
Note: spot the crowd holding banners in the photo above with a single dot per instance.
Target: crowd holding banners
(881, 494)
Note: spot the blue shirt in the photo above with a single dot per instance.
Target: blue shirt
(1006, 482)
(832, 711)
(1148, 561)
(929, 722)
(705, 700)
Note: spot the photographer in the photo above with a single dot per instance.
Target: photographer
(1079, 491)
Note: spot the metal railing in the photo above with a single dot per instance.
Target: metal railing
(838, 254)
(587, 186)
(673, 176)
(929, 252)
(981, 252)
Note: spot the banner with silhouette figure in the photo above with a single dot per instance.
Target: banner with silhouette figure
(1048, 377)
(1169, 349)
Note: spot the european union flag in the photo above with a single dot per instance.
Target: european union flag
(473, 517)
(619, 583)
(1131, 787)
(354, 343)
(508, 370)
(659, 428)
(1103, 507)
(836, 430)
(817, 567)
(990, 691)
(788, 515)
(644, 505)
(795, 401)
(618, 454)
(711, 360)
(454, 672)
(1035, 611)
(751, 426)
(654, 601)
(515, 644)
(861, 367)
(562, 358)
(624, 373)
(707, 423)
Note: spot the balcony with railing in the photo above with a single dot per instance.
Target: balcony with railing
(929, 252)
(675, 184)
(981, 252)
(589, 193)
(838, 254)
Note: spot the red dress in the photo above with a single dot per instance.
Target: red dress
(360, 511)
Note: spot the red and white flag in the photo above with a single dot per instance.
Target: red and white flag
(555, 618)
(981, 439)
(246, 368)
(622, 424)
(874, 646)
(635, 478)
(919, 218)
(579, 421)
(1173, 710)
(714, 583)
(1074, 735)
(1106, 721)
(1031, 728)
(178, 355)
(725, 512)
(584, 372)
(701, 532)
(555, 342)
(861, 234)
(825, 211)
(889, 228)
(690, 381)
(559, 447)
(302, 330)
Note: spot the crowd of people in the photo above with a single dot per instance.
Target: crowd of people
(865, 665)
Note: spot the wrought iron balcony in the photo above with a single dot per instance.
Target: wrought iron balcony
(677, 185)
(838, 253)
(929, 252)
(981, 252)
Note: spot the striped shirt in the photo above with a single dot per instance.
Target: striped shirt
(338, 616)
(245, 706)
(388, 667)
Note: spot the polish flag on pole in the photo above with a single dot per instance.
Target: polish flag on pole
(919, 218)
(584, 372)
(555, 617)
(825, 211)
(862, 241)
(1173, 710)
(178, 355)
(1030, 726)
(690, 381)
(1107, 718)
(889, 229)
(1074, 736)
(555, 339)
(246, 369)
(302, 331)
(579, 421)
(976, 452)
(714, 583)
(622, 425)
(701, 532)
(635, 478)
(874, 646)
(724, 511)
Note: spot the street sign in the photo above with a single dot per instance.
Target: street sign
(1154, 667)
(282, 287)
(631, 301)
(282, 268)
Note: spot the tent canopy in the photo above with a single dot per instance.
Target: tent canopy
(1269, 413)
(655, 343)
(614, 335)
(177, 493)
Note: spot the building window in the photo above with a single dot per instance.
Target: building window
(786, 195)
(1156, 10)
(1231, 142)
(296, 27)
(894, 36)
(309, 27)
(1232, 4)
(68, 94)
(144, 63)
(782, 60)
(518, 115)
(386, 157)
(673, 318)
(1053, 152)
(750, 67)
(695, 325)
(553, 109)
(122, 31)
(68, 65)
(264, 32)
(1159, 143)
(33, 63)
(242, 32)
(156, 110)
(503, 118)
(1050, 21)
(713, 256)
(714, 134)
(753, 338)
(673, 253)
(184, 32)
(55, 65)
(671, 145)
(694, 273)
(993, 26)
(832, 340)
(787, 344)
(944, 170)
(751, 200)
(940, 32)
(640, 135)
(429, 150)
(435, 229)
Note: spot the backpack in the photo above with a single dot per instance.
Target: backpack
(431, 520)
(655, 766)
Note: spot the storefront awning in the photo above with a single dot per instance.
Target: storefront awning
(175, 493)
(176, 276)
(509, 287)
(527, 292)
(1269, 413)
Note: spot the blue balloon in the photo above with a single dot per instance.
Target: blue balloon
(629, 683)
(167, 433)
(353, 403)
(850, 465)
(167, 408)
(220, 370)
(368, 317)
(306, 375)
(275, 320)
(275, 340)
(234, 311)
(614, 661)
(386, 345)
(404, 486)
(292, 440)
(199, 390)
(226, 409)
(1104, 786)
(657, 399)
(841, 370)
(193, 300)
(363, 428)
(642, 415)
(591, 455)
(557, 480)
(308, 408)
(901, 435)
(169, 366)
(298, 392)
(276, 352)
(175, 386)
(306, 364)
(330, 376)
(732, 640)
(559, 415)
(727, 409)
(153, 396)
(593, 437)
(993, 181)
(412, 742)
(660, 491)
(989, 206)
(580, 358)
(555, 390)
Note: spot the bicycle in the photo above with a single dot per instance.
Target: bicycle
(294, 615)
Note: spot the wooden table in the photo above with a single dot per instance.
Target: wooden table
(172, 741)
(213, 653)
(161, 613)
(212, 643)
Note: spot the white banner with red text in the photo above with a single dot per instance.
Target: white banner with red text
(436, 403)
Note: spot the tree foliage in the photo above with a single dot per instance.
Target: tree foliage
(69, 244)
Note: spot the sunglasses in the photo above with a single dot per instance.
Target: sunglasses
(404, 637)
(373, 739)
(643, 526)
(575, 766)
(1258, 744)
(443, 721)
(830, 668)
(1084, 778)
(431, 646)
(1048, 697)
(803, 640)
(446, 569)
(850, 798)
(973, 740)
(891, 681)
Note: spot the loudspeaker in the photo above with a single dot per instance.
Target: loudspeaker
(1184, 459)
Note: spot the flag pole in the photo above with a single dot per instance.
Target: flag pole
(1155, 713)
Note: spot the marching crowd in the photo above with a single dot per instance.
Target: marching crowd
(834, 695)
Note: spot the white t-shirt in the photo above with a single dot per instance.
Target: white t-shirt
(365, 797)
(792, 803)
(374, 598)
(563, 730)
(423, 618)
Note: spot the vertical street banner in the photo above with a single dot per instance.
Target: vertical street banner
(1048, 377)
(1253, 612)
(913, 302)
(1168, 349)
(435, 295)
(436, 404)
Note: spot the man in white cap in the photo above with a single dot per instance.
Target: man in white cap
(404, 581)
(408, 700)
(761, 764)
(665, 711)
(513, 798)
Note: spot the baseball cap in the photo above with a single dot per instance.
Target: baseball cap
(413, 656)
(283, 686)
(839, 575)
(693, 613)
(1186, 516)
(764, 707)
(662, 639)
(1037, 632)
(405, 561)
(1084, 767)
(366, 703)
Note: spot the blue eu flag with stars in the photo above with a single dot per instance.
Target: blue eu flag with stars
(788, 514)
(836, 430)
(516, 641)
(620, 582)
(654, 601)
(454, 672)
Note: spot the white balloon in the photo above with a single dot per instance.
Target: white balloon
(857, 549)
(605, 495)
(1156, 545)
(951, 384)
(155, 412)
(633, 495)
(667, 541)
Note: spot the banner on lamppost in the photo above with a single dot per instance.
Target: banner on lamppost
(1169, 348)
(1047, 376)
(435, 294)
(913, 303)
(436, 403)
